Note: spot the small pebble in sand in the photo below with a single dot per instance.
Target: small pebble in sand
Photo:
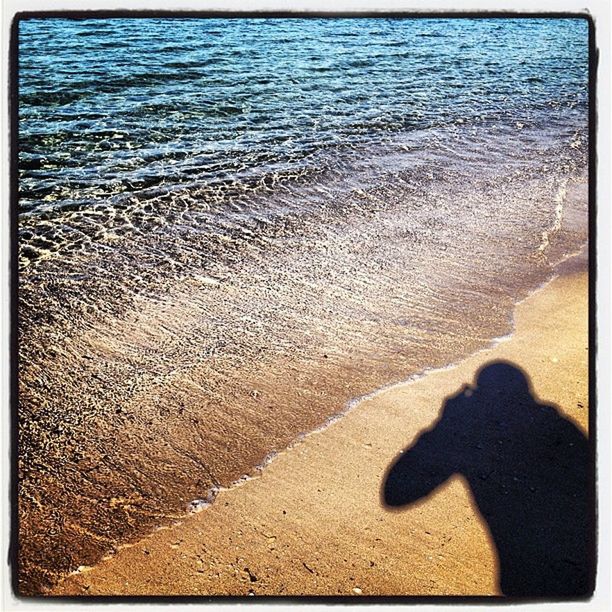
(357, 591)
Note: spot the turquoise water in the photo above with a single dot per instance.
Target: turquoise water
(118, 111)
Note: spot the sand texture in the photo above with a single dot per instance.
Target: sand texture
(315, 521)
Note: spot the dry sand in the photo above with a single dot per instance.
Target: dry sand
(313, 522)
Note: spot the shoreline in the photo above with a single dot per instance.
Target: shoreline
(194, 556)
(192, 389)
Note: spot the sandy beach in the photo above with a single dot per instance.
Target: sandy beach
(266, 274)
(314, 522)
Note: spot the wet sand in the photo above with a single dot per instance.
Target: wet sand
(313, 521)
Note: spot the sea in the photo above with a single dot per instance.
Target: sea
(230, 228)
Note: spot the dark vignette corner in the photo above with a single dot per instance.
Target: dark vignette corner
(592, 297)
(14, 310)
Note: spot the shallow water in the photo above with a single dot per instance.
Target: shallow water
(222, 243)
(116, 113)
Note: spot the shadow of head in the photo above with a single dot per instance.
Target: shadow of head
(527, 468)
(502, 378)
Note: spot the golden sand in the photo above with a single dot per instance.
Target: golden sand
(313, 522)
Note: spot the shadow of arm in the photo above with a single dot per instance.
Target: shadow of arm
(417, 473)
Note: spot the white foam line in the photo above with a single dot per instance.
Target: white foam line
(559, 199)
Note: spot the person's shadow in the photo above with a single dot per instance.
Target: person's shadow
(528, 469)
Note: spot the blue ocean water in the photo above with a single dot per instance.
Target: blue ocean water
(111, 107)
